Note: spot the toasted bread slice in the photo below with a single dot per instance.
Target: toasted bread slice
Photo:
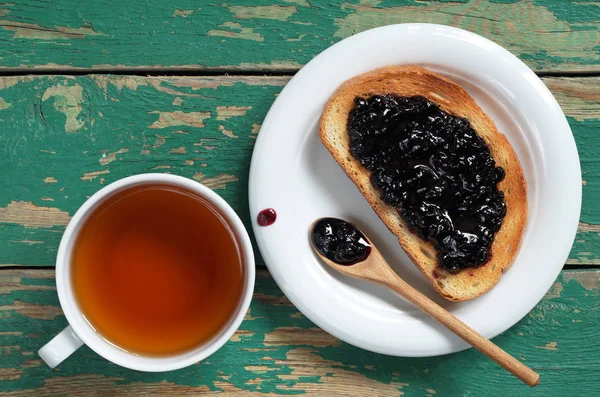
(453, 99)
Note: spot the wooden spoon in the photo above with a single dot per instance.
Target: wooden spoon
(376, 270)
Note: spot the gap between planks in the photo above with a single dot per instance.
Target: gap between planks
(210, 72)
(587, 266)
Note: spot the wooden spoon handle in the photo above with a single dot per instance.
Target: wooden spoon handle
(508, 362)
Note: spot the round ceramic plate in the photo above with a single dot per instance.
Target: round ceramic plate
(294, 174)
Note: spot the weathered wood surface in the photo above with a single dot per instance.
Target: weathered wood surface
(277, 350)
(552, 35)
(62, 138)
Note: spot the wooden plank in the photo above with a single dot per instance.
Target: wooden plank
(553, 35)
(277, 350)
(63, 138)
(581, 104)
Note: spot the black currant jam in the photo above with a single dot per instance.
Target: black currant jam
(266, 217)
(340, 241)
(435, 170)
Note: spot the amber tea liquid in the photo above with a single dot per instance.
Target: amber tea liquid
(156, 270)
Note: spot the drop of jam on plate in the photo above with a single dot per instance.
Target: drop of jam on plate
(340, 241)
(435, 170)
(266, 217)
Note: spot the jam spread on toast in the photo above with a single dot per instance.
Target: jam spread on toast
(435, 170)
(340, 241)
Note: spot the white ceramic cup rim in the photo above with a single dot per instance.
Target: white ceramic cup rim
(86, 333)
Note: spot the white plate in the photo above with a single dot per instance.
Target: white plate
(294, 174)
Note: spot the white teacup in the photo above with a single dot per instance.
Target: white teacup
(79, 330)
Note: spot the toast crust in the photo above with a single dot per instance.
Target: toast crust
(452, 98)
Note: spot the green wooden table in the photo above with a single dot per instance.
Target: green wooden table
(94, 91)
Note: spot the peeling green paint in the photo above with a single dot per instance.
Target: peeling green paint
(179, 118)
(548, 35)
(183, 13)
(68, 100)
(280, 13)
(30, 31)
(549, 340)
(4, 104)
(508, 23)
(236, 31)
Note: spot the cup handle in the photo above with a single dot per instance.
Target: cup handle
(60, 347)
